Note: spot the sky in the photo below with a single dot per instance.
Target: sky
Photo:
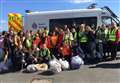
(19, 6)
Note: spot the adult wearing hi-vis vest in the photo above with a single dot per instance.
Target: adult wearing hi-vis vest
(101, 43)
(82, 38)
(113, 40)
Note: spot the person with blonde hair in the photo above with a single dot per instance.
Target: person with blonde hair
(82, 38)
(113, 39)
(68, 37)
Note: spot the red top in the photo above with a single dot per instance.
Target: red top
(53, 40)
(60, 39)
(36, 41)
(41, 42)
(118, 34)
(48, 42)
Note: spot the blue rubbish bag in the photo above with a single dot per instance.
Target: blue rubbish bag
(76, 62)
(4, 67)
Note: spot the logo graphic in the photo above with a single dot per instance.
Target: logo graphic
(34, 25)
(42, 25)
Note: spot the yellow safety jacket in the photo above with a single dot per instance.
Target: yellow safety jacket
(82, 37)
(112, 35)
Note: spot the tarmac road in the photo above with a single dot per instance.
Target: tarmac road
(104, 72)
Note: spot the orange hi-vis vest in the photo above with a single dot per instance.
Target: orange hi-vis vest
(65, 50)
(53, 41)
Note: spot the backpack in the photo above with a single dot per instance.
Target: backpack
(76, 62)
(55, 66)
(64, 64)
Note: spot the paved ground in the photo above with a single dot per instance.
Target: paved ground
(104, 72)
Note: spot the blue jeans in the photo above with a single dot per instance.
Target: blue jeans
(92, 49)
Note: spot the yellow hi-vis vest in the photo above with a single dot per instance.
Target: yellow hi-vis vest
(112, 35)
(68, 38)
(82, 38)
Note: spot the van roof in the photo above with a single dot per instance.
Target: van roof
(65, 11)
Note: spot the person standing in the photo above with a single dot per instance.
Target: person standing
(28, 41)
(118, 39)
(82, 38)
(60, 38)
(112, 40)
(53, 43)
(91, 43)
(74, 33)
(46, 31)
(68, 37)
(100, 40)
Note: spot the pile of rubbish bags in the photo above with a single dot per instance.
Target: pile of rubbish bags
(57, 66)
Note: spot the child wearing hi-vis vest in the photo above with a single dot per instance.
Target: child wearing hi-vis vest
(65, 52)
(45, 54)
(53, 42)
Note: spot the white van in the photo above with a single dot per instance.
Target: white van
(50, 19)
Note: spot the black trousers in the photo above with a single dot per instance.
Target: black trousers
(112, 49)
(99, 48)
(68, 58)
(54, 52)
(84, 47)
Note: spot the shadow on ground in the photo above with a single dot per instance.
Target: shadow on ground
(107, 66)
(47, 73)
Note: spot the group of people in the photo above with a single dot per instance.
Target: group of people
(42, 46)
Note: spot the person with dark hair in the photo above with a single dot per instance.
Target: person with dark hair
(46, 31)
(56, 30)
(45, 54)
(17, 57)
(60, 38)
(43, 40)
(101, 40)
(6, 61)
(4, 33)
(74, 33)
(66, 52)
(36, 40)
(53, 43)
(91, 44)
(1, 47)
(100, 36)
